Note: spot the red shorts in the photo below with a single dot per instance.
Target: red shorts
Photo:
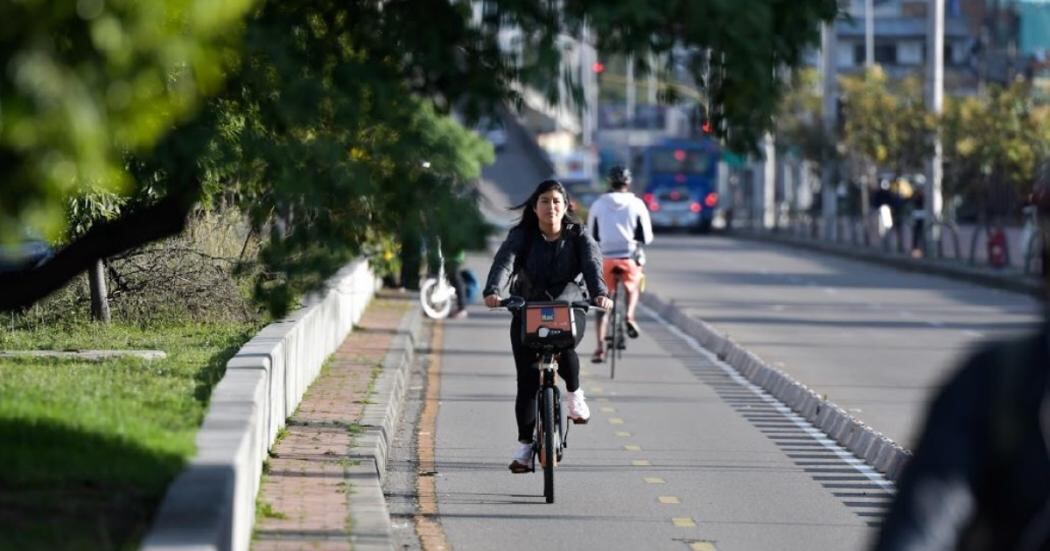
(630, 273)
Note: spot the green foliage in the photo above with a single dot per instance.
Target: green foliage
(86, 82)
(886, 123)
(993, 140)
(331, 165)
(800, 125)
(91, 207)
(327, 109)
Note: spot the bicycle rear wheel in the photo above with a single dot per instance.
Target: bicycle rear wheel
(548, 451)
(617, 329)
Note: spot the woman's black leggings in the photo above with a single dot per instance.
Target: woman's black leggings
(529, 377)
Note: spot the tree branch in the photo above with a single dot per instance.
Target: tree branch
(163, 219)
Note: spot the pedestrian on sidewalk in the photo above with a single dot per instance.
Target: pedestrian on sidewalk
(541, 259)
(980, 476)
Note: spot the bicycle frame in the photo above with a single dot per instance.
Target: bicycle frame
(615, 340)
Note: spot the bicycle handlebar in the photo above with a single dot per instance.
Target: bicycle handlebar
(514, 303)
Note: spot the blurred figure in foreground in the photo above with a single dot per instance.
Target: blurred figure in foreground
(980, 477)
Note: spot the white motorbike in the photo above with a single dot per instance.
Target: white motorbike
(436, 294)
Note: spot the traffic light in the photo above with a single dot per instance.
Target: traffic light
(702, 120)
(598, 68)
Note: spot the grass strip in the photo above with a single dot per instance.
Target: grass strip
(89, 448)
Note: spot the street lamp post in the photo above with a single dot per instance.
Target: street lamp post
(935, 104)
(829, 196)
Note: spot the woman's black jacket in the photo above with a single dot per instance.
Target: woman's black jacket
(546, 267)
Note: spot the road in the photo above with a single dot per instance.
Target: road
(876, 341)
(681, 453)
(677, 455)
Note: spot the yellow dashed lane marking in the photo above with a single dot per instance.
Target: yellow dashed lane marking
(641, 463)
(655, 480)
(683, 522)
(603, 400)
(702, 546)
(597, 390)
(609, 410)
(615, 421)
(633, 448)
(622, 434)
(668, 500)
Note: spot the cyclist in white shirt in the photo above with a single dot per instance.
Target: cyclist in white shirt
(619, 222)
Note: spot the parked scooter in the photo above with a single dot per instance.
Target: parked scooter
(436, 293)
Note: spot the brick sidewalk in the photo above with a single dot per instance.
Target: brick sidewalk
(303, 500)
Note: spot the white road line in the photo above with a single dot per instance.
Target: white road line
(817, 434)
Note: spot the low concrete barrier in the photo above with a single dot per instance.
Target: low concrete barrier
(878, 451)
(211, 504)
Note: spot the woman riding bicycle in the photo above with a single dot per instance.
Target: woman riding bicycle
(542, 257)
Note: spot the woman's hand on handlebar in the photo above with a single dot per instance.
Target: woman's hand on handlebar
(492, 301)
(603, 302)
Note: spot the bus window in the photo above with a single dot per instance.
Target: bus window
(679, 161)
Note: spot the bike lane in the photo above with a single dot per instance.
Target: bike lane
(678, 455)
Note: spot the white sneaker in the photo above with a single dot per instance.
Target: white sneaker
(577, 405)
(521, 461)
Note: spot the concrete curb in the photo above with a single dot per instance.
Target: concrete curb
(877, 450)
(369, 515)
(1008, 279)
(211, 504)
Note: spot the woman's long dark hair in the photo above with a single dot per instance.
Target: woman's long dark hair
(530, 223)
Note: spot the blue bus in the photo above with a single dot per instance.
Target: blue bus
(680, 183)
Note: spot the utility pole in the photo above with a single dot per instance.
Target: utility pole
(869, 33)
(629, 115)
(935, 104)
(589, 116)
(829, 195)
(765, 185)
(652, 79)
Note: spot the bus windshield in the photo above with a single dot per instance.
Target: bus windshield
(679, 161)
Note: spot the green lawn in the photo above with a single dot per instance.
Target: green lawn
(87, 449)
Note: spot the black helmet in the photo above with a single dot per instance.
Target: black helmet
(619, 175)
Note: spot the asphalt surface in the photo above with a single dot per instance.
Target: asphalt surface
(677, 455)
(875, 340)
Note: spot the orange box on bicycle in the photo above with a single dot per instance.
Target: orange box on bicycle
(549, 324)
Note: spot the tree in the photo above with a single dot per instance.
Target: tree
(799, 122)
(329, 107)
(886, 125)
(993, 145)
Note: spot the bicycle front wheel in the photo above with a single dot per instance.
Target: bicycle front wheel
(549, 451)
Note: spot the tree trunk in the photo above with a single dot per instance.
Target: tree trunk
(99, 296)
(870, 182)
